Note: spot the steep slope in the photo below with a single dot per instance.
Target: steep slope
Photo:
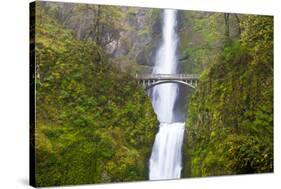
(230, 123)
(93, 123)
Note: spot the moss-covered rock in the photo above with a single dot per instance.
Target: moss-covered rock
(94, 124)
(230, 123)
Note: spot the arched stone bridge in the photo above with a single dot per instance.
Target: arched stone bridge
(151, 80)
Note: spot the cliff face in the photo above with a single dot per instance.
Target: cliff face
(136, 47)
(131, 35)
(128, 35)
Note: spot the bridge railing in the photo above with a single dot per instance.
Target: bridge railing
(167, 76)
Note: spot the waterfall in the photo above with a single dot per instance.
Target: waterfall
(166, 158)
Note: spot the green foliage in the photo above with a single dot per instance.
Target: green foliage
(201, 40)
(94, 123)
(230, 125)
(248, 154)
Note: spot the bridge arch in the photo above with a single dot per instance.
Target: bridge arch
(168, 81)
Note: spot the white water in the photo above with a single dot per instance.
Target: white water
(166, 161)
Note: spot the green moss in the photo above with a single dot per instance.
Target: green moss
(230, 123)
(94, 123)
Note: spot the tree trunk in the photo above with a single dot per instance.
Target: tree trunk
(97, 25)
(238, 23)
(226, 23)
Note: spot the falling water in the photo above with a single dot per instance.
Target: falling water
(166, 160)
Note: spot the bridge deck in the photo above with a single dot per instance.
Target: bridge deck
(167, 76)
